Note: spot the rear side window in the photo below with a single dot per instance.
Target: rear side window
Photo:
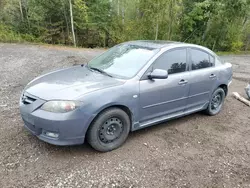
(174, 61)
(200, 59)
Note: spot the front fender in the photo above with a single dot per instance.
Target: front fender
(120, 96)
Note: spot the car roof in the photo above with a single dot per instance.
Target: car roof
(159, 44)
(153, 43)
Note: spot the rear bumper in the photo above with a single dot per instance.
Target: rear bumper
(70, 128)
(230, 80)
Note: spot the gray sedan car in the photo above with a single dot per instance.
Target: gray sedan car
(131, 86)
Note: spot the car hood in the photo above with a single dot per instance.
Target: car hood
(69, 83)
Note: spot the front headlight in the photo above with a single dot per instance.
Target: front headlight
(60, 106)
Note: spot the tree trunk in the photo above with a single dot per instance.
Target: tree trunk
(118, 8)
(123, 12)
(26, 12)
(72, 23)
(245, 21)
(157, 23)
(171, 20)
(240, 98)
(214, 45)
(247, 42)
(156, 30)
(67, 22)
(21, 9)
(9, 12)
(123, 15)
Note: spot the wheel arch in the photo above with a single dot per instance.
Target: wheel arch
(120, 106)
(225, 88)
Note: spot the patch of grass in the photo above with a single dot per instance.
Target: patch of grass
(9, 36)
(234, 53)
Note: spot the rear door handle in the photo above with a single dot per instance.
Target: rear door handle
(212, 76)
(183, 82)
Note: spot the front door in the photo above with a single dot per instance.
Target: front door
(162, 98)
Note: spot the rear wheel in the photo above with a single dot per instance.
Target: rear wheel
(216, 102)
(109, 130)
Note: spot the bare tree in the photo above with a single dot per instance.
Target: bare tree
(21, 9)
(72, 23)
(171, 19)
(66, 19)
(118, 8)
(123, 15)
(25, 4)
(157, 22)
(157, 29)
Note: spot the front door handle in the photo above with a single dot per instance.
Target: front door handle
(183, 82)
(212, 76)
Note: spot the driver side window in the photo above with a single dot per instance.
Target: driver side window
(174, 61)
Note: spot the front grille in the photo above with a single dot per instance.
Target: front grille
(27, 99)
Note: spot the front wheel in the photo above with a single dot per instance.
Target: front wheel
(216, 102)
(109, 130)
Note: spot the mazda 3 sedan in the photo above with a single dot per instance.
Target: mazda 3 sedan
(131, 86)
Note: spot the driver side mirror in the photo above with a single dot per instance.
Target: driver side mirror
(158, 74)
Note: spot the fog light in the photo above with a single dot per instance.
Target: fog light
(53, 135)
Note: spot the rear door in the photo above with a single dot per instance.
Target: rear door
(165, 97)
(203, 76)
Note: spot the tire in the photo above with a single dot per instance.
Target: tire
(216, 102)
(109, 130)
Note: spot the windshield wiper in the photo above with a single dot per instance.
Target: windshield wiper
(101, 71)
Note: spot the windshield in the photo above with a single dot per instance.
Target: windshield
(124, 60)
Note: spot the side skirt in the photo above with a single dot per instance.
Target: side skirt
(155, 121)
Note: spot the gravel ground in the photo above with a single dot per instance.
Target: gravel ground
(193, 151)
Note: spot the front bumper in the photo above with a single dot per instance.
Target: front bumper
(70, 127)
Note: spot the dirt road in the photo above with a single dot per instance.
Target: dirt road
(194, 151)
